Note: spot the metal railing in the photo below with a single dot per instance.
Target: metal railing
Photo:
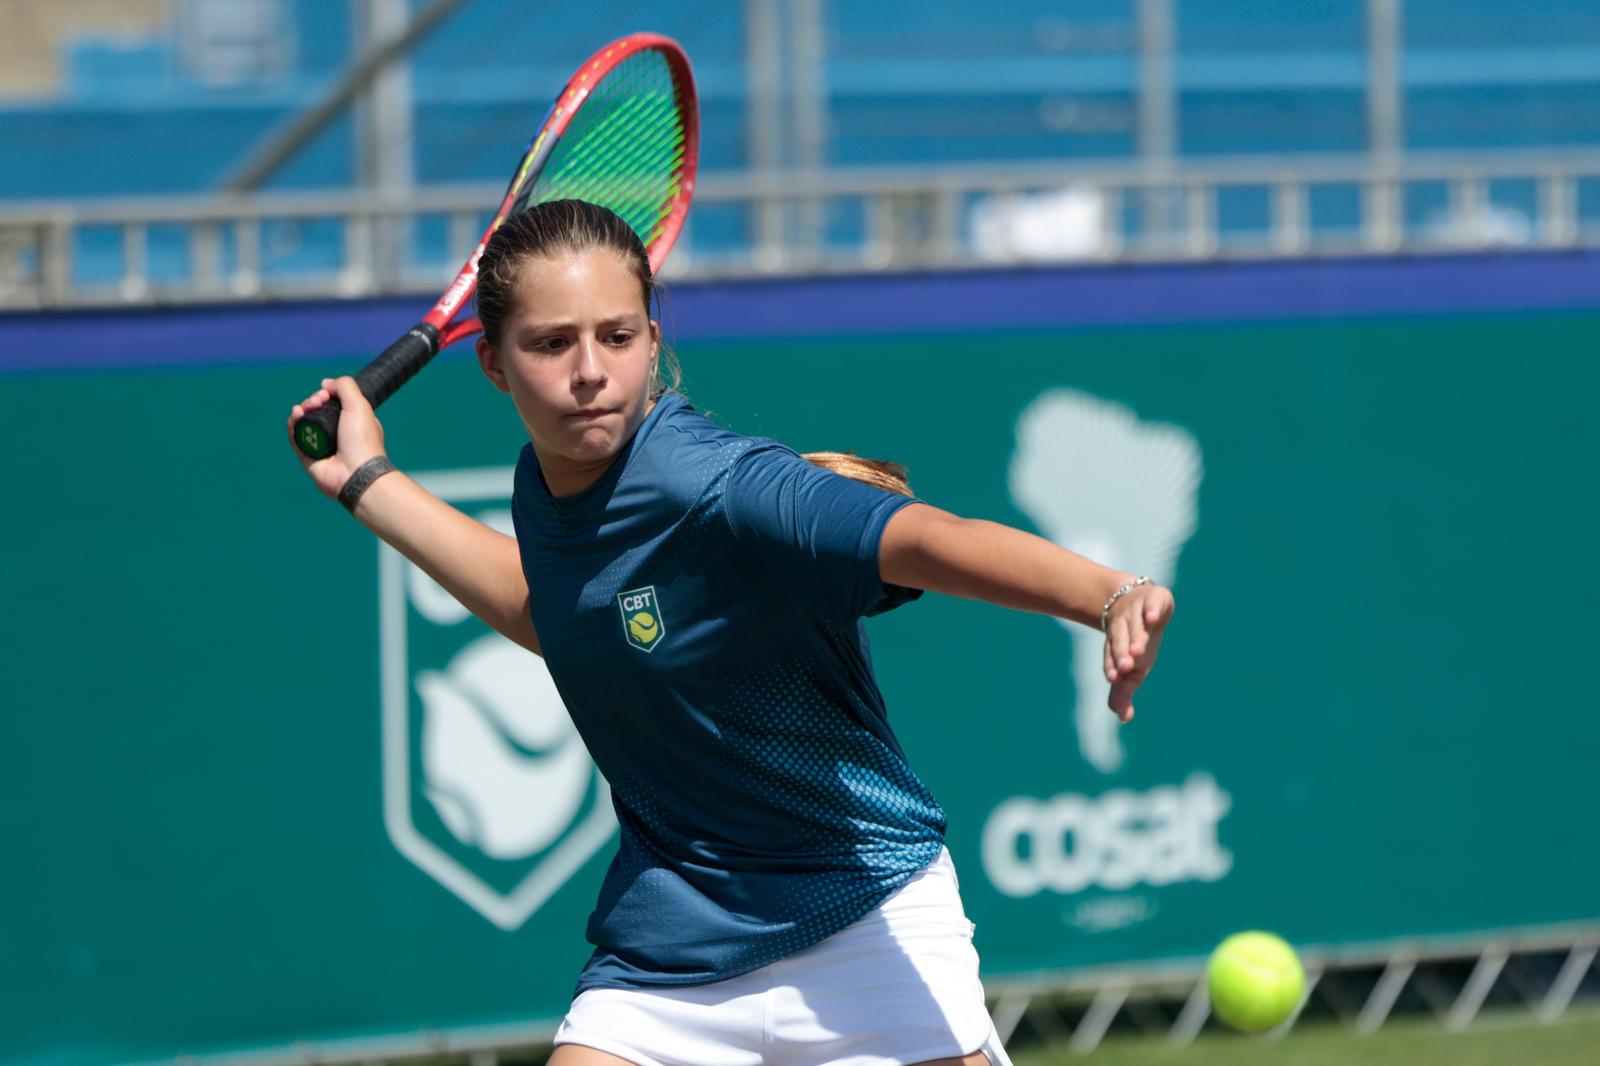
(201, 249)
(1539, 971)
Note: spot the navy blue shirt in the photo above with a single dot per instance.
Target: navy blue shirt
(699, 608)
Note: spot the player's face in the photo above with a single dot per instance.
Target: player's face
(576, 354)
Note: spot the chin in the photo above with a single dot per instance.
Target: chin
(594, 445)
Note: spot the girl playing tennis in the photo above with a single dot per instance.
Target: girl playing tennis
(781, 894)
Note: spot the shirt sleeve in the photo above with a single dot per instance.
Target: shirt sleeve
(813, 530)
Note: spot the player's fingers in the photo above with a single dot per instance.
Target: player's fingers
(1152, 649)
(1119, 644)
(1121, 699)
(296, 413)
(350, 396)
(1137, 637)
(1105, 657)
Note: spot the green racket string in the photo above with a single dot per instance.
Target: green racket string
(623, 149)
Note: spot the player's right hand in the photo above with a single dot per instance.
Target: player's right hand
(1133, 640)
(360, 434)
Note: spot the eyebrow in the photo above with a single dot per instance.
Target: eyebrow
(628, 319)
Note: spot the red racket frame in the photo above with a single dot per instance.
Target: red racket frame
(316, 432)
(567, 104)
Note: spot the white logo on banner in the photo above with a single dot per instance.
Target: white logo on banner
(1100, 482)
(501, 764)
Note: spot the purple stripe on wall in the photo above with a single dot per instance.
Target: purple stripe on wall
(1037, 298)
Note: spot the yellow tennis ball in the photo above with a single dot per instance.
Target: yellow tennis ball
(1255, 981)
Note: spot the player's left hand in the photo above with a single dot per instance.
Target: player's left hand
(1133, 639)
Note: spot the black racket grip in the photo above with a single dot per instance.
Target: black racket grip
(317, 433)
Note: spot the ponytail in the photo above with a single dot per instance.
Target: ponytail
(878, 473)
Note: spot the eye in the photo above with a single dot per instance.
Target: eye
(549, 344)
(620, 338)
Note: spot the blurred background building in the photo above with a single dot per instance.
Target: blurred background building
(836, 135)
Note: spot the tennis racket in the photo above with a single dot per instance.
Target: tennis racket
(624, 133)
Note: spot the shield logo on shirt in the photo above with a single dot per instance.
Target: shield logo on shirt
(641, 618)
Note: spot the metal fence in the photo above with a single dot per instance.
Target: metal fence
(347, 243)
(1536, 971)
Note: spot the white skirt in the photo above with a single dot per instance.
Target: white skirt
(899, 986)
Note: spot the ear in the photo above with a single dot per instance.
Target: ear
(489, 363)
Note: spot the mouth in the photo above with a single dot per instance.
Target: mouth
(593, 412)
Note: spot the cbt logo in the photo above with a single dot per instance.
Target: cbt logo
(487, 786)
(641, 617)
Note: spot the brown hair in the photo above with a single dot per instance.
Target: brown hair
(879, 472)
(556, 226)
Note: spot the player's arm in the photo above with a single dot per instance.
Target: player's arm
(926, 548)
(479, 566)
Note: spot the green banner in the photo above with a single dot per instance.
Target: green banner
(265, 783)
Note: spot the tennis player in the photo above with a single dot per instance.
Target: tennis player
(781, 894)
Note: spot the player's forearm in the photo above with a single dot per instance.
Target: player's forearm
(981, 560)
(477, 565)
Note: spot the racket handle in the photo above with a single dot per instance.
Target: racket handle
(317, 432)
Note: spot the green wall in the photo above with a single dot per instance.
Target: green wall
(1374, 717)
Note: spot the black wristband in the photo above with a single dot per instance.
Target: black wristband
(362, 479)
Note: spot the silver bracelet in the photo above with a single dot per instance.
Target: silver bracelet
(1122, 590)
(362, 479)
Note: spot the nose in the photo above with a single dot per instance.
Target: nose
(589, 370)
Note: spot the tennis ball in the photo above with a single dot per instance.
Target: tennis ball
(1255, 981)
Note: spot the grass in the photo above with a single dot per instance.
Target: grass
(1513, 1039)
